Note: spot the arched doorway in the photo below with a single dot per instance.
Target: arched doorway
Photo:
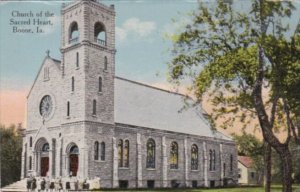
(45, 160)
(73, 160)
(42, 148)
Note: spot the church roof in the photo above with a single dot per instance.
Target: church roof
(142, 105)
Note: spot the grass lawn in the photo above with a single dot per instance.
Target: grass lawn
(275, 188)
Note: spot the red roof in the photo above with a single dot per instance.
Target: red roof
(246, 161)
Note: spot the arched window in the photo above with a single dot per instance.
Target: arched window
(30, 142)
(105, 63)
(210, 160)
(120, 153)
(100, 84)
(68, 108)
(150, 154)
(214, 160)
(73, 33)
(73, 84)
(231, 162)
(74, 150)
(194, 157)
(96, 150)
(126, 154)
(100, 34)
(174, 156)
(94, 107)
(102, 157)
(45, 147)
(77, 59)
(30, 163)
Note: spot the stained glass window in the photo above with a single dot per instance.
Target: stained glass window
(194, 157)
(126, 154)
(174, 156)
(120, 153)
(150, 154)
(214, 160)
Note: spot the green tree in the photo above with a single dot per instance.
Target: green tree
(234, 56)
(11, 153)
(249, 145)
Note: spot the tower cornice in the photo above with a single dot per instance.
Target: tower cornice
(87, 43)
(73, 5)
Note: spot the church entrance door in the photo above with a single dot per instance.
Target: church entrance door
(73, 164)
(44, 166)
(73, 160)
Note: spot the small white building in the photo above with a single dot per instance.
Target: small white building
(247, 173)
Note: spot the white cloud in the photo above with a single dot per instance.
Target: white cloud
(121, 33)
(51, 28)
(135, 27)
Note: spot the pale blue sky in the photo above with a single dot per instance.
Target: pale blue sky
(140, 43)
(142, 51)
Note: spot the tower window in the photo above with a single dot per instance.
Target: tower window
(30, 142)
(77, 59)
(94, 107)
(100, 84)
(73, 84)
(73, 33)
(100, 34)
(68, 109)
(105, 63)
(96, 150)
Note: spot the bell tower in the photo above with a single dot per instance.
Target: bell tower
(88, 61)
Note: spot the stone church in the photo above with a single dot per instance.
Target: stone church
(85, 122)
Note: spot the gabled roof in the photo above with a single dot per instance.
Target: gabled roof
(142, 105)
(55, 61)
(246, 161)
